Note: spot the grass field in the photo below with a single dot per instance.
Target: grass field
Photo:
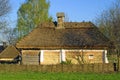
(57, 76)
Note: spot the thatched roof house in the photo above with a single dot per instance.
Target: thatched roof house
(62, 37)
(74, 35)
(9, 55)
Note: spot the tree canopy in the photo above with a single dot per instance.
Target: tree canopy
(109, 23)
(30, 14)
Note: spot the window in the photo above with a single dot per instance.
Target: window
(91, 56)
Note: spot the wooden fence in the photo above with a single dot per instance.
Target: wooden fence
(59, 68)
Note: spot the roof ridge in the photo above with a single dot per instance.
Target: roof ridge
(66, 25)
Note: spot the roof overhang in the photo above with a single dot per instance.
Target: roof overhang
(6, 59)
(61, 47)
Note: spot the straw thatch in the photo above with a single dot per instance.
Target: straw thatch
(9, 52)
(74, 35)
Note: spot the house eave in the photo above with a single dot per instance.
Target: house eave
(6, 59)
(61, 47)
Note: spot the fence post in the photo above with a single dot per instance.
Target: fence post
(82, 67)
(93, 67)
(103, 67)
(115, 66)
(62, 67)
(118, 63)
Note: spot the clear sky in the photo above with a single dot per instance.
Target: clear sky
(79, 10)
(75, 10)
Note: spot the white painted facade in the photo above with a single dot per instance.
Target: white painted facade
(62, 54)
(105, 56)
(41, 55)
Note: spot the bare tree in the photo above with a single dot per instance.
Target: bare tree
(10, 35)
(80, 57)
(4, 10)
(109, 24)
(4, 7)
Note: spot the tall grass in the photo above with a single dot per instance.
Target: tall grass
(29, 75)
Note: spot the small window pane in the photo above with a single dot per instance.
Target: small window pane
(91, 56)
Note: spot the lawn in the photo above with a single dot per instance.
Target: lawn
(57, 76)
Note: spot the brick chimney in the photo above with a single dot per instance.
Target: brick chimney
(60, 20)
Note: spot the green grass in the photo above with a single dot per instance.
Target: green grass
(57, 76)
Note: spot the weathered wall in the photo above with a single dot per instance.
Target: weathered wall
(85, 56)
(55, 57)
(30, 57)
(97, 56)
(51, 57)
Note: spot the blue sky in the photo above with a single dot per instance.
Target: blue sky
(76, 10)
(79, 10)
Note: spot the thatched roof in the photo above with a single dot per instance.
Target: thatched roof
(75, 35)
(9, 52)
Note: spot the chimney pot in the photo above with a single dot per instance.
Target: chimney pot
(60, 14)
(60, 20)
